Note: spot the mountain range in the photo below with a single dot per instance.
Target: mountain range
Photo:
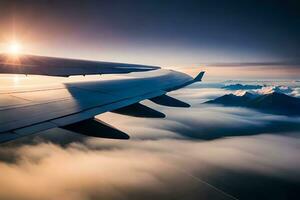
(277, 103)
(242, 87)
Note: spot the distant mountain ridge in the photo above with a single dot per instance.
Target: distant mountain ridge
(242, 87)
(277, 103)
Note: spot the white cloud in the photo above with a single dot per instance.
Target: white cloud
(164, 159)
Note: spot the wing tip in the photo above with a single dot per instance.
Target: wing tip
(199, 77)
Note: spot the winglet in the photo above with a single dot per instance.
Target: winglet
(198, 78)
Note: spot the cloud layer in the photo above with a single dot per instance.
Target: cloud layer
(192, 154)
(146, 169)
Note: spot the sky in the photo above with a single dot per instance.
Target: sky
(175, 34)
(202, 152)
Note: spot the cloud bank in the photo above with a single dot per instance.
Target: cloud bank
(192, 154)
(147, 169)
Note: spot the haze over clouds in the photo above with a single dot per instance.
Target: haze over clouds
(185, 156)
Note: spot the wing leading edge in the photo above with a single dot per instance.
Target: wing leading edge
(51, 66)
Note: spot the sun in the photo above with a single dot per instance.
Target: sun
(14, 48)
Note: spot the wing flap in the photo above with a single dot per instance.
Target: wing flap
(139, 110)
(96, 128)
(166, 100)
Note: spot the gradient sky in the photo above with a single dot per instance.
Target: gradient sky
(167, 33)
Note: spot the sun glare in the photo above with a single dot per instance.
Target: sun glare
(14, 48)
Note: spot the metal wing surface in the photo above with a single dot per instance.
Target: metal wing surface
(51, 66)
(28, 111)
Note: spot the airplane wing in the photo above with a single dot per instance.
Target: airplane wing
(73, 105)
(50, 66)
